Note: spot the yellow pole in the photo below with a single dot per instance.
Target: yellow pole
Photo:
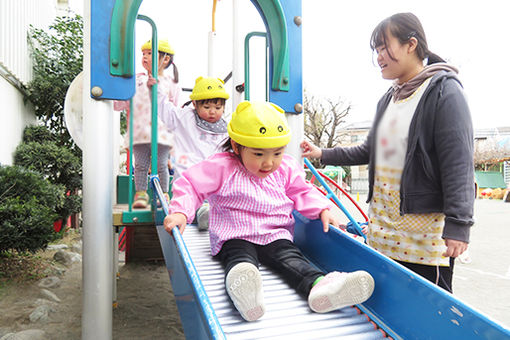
(214, 16)
(357, 196)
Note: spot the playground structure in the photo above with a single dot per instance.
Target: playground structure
(403, 305)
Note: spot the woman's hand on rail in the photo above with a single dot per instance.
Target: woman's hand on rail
(175, 220)
(327, 218)
(310, 150)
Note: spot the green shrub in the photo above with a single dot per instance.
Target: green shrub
(55, 162)
(28, 205)
(37, 133)
(57, 58)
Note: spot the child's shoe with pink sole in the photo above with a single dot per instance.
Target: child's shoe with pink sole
(337, 290)
(244, 286)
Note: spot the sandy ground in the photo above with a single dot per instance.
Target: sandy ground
(146, 306)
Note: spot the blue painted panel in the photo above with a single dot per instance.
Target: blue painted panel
(113, 87)
(403, 303)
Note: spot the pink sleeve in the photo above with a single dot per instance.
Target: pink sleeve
(120, 105)
(197, 183)
(309, 201)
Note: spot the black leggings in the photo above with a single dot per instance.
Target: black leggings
(444, 280)
(281, 255)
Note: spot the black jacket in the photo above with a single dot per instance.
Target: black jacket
(438, 174)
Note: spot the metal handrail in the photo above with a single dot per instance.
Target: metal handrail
(247, 62)
(332, 195)
(154, 114)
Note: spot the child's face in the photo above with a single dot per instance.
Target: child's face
(260, 162)
(147, 61)
(210, 112)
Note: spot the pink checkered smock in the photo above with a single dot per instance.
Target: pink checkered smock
(243, 206)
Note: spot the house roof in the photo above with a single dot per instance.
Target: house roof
(363, 125)
(492, 132)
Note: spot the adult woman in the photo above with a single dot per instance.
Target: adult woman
(420, 155)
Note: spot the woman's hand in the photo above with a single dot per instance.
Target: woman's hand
(310, 150)
(454, 247)
(327, 218)
(364, 229)
(173, 220)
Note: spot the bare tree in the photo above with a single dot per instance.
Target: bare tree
(491, 151)
(324, 118)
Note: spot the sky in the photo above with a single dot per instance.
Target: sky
(337, 60)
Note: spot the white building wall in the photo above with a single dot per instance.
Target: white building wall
(14, 117)
(16, 66)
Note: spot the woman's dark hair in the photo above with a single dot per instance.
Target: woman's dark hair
(176, 72)
(404, 26)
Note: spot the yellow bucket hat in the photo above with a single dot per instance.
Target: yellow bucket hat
(163, 46)
(259, 125)
(208, 88)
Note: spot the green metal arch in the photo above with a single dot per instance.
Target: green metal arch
(122, 37)
(274, 17)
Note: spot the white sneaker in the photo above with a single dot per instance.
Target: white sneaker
(337, 290)
(244, 286)
(203, 217)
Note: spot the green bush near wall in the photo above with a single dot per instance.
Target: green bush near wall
(28, 205)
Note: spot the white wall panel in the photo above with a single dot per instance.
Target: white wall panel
(16, 67)
(15, 19)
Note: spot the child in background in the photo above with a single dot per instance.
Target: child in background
(253, 189)
(198, 131)
(142, 119)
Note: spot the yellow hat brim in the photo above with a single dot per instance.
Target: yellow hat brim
(259, 142)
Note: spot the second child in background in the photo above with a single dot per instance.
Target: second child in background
(142, 117)
(198, 130)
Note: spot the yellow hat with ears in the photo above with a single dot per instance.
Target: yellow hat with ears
(163, 46)
(208, 88)
(259, 125)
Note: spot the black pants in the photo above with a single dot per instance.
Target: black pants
(443, 278)
(281, 255)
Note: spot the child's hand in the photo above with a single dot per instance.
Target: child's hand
(173, 220)
(327, 218)
(310, 150)
(151, 81)
(364, 229)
